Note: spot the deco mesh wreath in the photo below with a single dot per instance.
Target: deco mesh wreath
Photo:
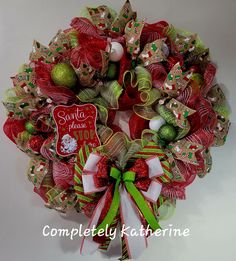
(61, 113)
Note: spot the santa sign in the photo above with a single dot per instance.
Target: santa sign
(76, 126)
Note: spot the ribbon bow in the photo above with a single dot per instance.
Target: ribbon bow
(128, 179)
(133, 190)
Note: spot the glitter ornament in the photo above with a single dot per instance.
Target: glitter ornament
(30, 127)
(112, 71)
(35, 143)
(117, 52)
(63, 74)
(167, 132)
(165, 49)
(156, 123)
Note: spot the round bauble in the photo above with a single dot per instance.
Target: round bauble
(167, 132)
(29, 126)
(112, 71)
(198, 78)
(64, 75)
(117, 51)
(165, 49)
(156, 123)
(35, 143)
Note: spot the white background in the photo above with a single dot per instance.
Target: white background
(210, 209)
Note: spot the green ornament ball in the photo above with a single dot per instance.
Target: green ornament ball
(112, 71)
(30, 127)
(64, 75)
(167, 132)
(24, 136)
(198, 78)
(222, 109)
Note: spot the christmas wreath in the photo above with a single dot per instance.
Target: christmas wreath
(67, 104)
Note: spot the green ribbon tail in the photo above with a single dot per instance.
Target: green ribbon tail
(141, 203)
(112, 212)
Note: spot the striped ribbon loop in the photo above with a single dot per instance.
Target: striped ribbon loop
(78, 185)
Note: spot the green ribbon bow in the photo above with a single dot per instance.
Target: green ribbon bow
(128, 178)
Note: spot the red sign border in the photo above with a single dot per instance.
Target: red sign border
(74, 105)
